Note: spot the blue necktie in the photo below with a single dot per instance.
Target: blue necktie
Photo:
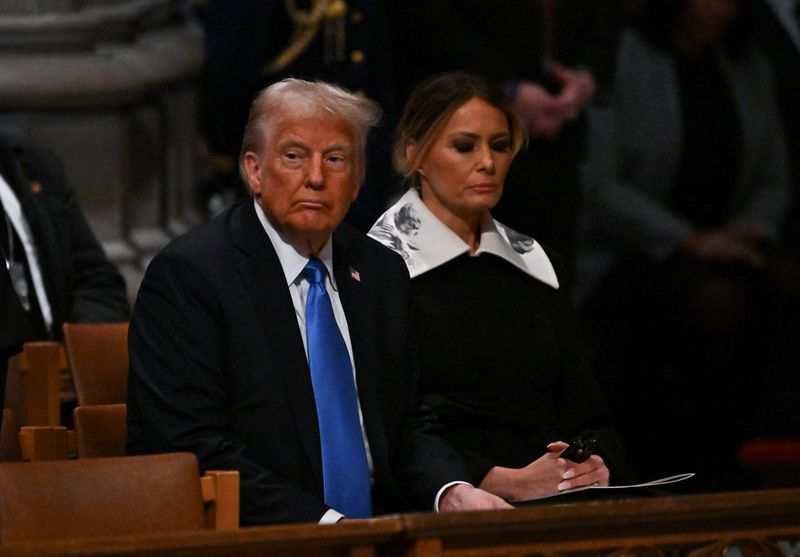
(344, 459)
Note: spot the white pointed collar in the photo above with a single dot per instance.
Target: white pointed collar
(412, 230)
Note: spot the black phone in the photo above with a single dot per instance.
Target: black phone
(580, 448)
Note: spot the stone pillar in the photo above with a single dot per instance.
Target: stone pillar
(109, 86)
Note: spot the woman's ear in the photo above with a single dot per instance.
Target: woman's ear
(411, 152)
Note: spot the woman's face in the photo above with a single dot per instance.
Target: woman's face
(463, 172)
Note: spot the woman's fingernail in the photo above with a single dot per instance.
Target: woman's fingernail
(564, 485)
(568, 475)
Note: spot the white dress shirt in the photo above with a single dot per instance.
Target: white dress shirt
(293, 262)
(13, 210)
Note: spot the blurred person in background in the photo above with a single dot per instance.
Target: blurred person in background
(686, 187)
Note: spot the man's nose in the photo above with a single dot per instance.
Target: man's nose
(315, 178)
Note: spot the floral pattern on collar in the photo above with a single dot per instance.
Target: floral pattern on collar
(409, 228)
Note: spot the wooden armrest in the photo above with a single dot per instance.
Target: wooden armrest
(34, 382)
(221, 494)
(46, 442)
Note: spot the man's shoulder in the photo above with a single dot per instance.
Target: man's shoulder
(368, 250)
(212, 244)
(37, 163)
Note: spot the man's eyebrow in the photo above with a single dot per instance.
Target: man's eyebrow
(291, 142)
(347, 147)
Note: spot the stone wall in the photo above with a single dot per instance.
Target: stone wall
(109, 85)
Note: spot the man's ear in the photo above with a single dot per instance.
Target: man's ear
(252, 167)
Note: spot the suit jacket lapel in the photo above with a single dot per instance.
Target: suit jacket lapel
(360, 324)
(41, 226)
(265, 282)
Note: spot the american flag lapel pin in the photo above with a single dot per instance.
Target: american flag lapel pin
(355, 275)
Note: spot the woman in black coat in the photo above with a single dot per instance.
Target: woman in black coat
(500, 361)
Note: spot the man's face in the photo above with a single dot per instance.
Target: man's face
(304, 177)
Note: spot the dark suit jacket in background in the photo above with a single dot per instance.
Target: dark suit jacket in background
(218, 368)
(82, 284)
(14, 329)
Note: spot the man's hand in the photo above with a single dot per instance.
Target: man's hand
(547, 475)
(464, 497)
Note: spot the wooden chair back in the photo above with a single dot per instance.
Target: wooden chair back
(107, 497)
(9, 438)
(98, 358)
(101, 430)
(33, 383)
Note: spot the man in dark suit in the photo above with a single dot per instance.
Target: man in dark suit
(14, 329)
(54, 269)
(220, 342)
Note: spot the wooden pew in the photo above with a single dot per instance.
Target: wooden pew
(119, 496)
(98, 359)
(100, 431)
(367, 538)
(669, 525)
(645, 526)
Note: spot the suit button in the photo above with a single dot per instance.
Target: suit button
(357, 16)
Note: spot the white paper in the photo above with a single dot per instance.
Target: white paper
(654, 483)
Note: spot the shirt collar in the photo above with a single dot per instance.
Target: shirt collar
(425, 242)
(10, 201)
(292, 261)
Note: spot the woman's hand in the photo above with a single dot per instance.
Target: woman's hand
(547, 475)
